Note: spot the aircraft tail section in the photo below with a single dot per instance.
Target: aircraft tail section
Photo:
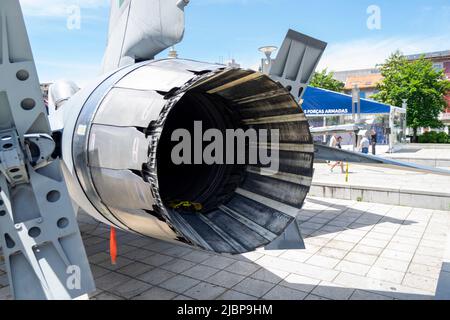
(140, 29)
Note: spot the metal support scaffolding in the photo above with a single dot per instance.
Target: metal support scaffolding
(39, 234)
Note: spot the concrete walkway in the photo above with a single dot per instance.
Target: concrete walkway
(428, 157)
(354, 250)
(383, 185)
(432, 155)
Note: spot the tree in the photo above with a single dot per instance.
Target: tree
(326, 81)
(420, 84)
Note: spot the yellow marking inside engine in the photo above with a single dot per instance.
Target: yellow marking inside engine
(186, 205)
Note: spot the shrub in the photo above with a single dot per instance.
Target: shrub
(434, 137)
(442, 137)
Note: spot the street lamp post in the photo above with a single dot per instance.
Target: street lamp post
(405, 104)
(391, 130)
(267, 63)
(356, 103)
(405, 124)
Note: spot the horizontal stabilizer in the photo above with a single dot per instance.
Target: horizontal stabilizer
(333, 154)
(339, 129)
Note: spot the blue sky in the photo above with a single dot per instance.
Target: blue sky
(217, 30)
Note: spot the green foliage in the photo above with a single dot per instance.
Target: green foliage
(325, 80)
(423, 86)
(434, 137)
(442, 137)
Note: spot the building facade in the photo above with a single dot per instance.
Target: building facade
(368, 79)
(441, 61)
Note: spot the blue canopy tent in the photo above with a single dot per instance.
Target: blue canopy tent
(320, 102)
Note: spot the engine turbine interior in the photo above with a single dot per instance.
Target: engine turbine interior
(119, 158)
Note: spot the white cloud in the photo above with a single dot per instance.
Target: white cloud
(80, 73)
(366, 53)
(58, 8)
(363, 53)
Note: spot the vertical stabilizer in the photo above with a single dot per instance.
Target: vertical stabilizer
(296, 61)
(140, 29)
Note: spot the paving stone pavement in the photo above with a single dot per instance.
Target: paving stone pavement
(354, 250)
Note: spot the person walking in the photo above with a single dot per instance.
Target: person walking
(373, 142)
(364, 145)
(332, 144)
(333, 141)
(338, 163)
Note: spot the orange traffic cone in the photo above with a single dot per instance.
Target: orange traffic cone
(113, 246)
